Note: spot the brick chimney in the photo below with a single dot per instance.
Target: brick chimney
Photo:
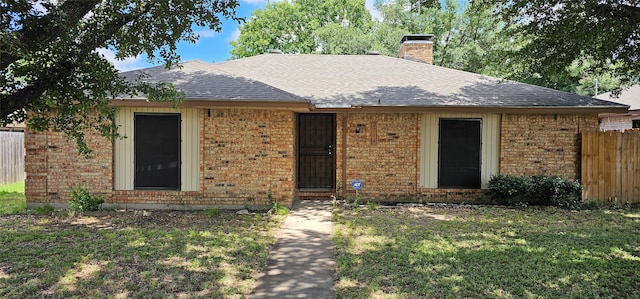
(417, 47)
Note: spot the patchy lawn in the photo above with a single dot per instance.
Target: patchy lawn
(448, 252)
(12, 199)
(126, 254)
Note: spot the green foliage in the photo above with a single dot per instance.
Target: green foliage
(537, 190)
(510, 189)
(46, 209)
(212, 212)
(291, 26)
(279, 209)
(82, 200)
(557, 191)
(561, 33)
(50, 65)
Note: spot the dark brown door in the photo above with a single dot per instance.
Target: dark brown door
(316, 145)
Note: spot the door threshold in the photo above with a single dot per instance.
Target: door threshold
(316, 190)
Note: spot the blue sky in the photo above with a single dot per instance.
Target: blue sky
(212, 46)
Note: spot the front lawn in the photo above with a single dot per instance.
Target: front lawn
(12, 199)
(133, 254)
(480, 252)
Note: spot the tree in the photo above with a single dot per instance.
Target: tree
(560, 33)
(466, 36)
(291, 26)
(49, 65)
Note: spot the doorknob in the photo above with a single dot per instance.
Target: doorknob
(330, 149)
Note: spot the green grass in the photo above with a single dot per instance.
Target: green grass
(125, 254)
(12, 199)
(487, 252)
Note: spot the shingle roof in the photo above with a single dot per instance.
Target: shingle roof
(629, 96)
(337, 81)
(202, 81)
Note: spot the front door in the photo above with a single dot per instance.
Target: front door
(316, 147)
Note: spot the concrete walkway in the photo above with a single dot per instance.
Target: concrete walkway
(301, 263)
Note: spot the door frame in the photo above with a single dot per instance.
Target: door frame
(332, 130)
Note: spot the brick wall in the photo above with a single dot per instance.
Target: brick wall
(612, 123)
(383, 155)
(52, 164)
(247, 154)
(543, 144)
(422, 51)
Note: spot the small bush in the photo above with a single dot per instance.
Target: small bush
(82, 200)
(279, 209)
(557, 191)
(537, 190)
(212, 212)
(44, 210)
(510, 190)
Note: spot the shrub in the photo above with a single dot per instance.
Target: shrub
(557, 191)
(537, 190)
(509, 189)
(82, 200)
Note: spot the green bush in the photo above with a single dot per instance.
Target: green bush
(557, 191)
(537, 190)
(510, 189)
(82, 200)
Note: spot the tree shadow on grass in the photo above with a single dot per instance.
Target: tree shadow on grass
(473, 256)
(45, 257)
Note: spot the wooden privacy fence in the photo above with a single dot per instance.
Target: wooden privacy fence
(11, 157)
(611, 166)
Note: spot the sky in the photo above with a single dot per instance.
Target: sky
(212, 46)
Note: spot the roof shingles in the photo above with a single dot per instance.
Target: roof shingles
(338, 81)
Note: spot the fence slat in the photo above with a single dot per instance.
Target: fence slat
(611, 166)
(11, 157)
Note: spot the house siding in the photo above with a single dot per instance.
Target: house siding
(543, 144)
(247, 156)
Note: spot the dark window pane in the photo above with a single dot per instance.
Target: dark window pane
(157, 151)
(459, 150)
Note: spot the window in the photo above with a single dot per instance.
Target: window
(157, 151)
(161, 150)
(459, 150)
(459, 153)
(636, 123)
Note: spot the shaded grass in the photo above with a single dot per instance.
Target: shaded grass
(12, 200)
(122, 254)
(487, 252)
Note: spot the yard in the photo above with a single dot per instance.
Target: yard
(409, 252)
(204, 254)
(473, 252)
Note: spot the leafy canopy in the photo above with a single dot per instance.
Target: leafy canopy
(291, 26)
(600, 37)
(49, 65)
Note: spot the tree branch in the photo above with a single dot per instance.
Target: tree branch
(38, 31)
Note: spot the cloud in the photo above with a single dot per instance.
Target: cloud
(235, 34)
(205, 33)
(127, 64)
